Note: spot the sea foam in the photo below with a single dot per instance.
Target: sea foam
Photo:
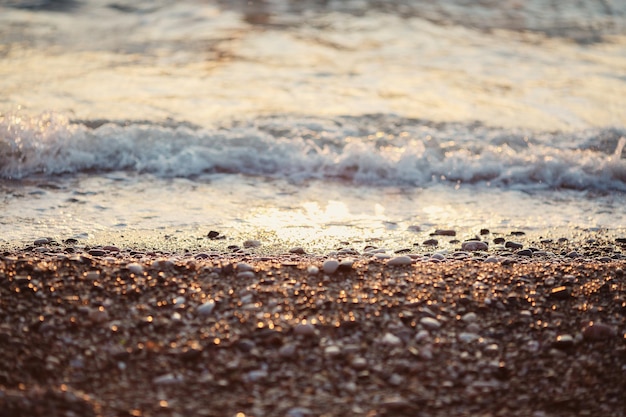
(370, 149)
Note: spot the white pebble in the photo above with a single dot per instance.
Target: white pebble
(391, 340)
(206, 308)
(135, 268)
(313, 270)
(469, 317)
(330, 266)
(430, 323)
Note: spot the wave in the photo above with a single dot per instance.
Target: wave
(369, 149)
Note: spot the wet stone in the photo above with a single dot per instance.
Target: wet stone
(400, 261)
(430, 242)
(473, 246)
(564, 341)
(444, 232)
(525, 252)
(97, 252)
(513, 245)
(598, 331)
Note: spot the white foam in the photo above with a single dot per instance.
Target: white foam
(376, 150)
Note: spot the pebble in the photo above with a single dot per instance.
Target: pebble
(135, 268)
(390, 339)
(499, 240)
(438, 256)
(206, 308)
(525, 252)
(430, 242)
(564, 341)
(359, 363)
(573, 254)
(330, 266)
(97, 252)
(287, 351)
(243, 267)
(468, 337)
(491, 260)
(444, 232)
(251, 244)
(92, 275)
(598, 331)
(245, 275)
(400, 261)
(299, 412)
(469, 317)
(213, 234)
(297, 250)
(332, 351)
(513, 245)
(304, 329)
(430, 323)
(473, 246)
(168, 379)
(313, 270)
(41, 241)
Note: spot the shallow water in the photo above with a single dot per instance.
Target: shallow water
(298, 123)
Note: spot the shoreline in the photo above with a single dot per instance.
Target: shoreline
(222, 334)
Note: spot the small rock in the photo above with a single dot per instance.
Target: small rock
(251, 244)
(400, 261)
(525, 252)
(430, 323)
(245, 275)
(358, 363)
(330, 266)
(560, 293)
(299, 412)
(304, 329)
(470, 317)
(390, 339)
(97, 252)
(499, 240)
(168, 379)
(135, 268)
(213, 234)
(474, 245)
(573, 254)
(443, 232)
(484, 232)
(513, 245)
(206, 308)
(313, 270)
(243, 267)
(297, 250)
(564, 341)
(430, 242)
(332, 351)
(92, 275)
(287, 351)
(41, 241)
(598, 331)
(468, 337)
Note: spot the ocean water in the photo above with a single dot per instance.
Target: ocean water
(311, 123)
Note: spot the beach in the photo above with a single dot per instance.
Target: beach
(312, 208)
(108, 331)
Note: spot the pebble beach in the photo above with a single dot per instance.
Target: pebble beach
(488, 329)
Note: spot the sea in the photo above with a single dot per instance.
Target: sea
(312, 123)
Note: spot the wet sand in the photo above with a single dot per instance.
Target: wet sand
(124, 333)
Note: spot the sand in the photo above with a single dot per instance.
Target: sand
(146, 334)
